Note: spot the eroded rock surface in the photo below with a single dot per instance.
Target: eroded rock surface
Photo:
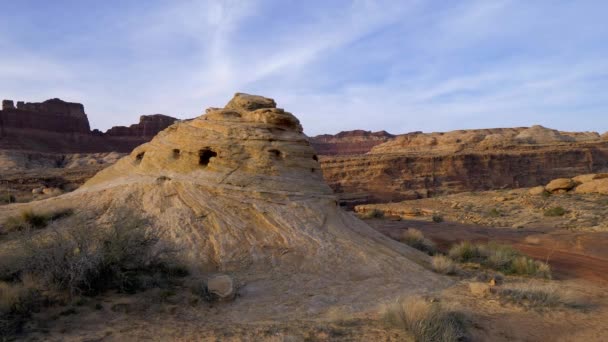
(56, 126)
(420, 165)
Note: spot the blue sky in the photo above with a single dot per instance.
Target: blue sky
(338, 65)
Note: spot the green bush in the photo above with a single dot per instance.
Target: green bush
(414, 238)
(555, 211)
(426, 321)
(437, 218)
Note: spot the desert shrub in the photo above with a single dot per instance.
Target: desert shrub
(546, 194)
(87, 259)
(370, 214)
(442, 264)
(555, 211)
(494, 213)
(500, 257)
(30, 219)
(7, 199)
(17, 302)
(523, 265)
(414, 238)
(437, 218)
(426, 321)
(529, 295)
(497, 256)
(464, 252)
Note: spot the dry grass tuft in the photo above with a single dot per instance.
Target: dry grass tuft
(500, 257)
(414, 238)
(442, 264)
(536, 296)
(426, 321)
(30, 219)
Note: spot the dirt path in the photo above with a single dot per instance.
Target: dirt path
(572, 255)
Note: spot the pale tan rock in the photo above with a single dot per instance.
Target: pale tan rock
(599, 186)
(37, 191)
(222, 286)
(240, 190)
(52, 191)
(537, 190)
(480, 289)
(584, 178)
(560, 184)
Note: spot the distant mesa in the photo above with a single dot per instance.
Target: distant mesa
(63, 127)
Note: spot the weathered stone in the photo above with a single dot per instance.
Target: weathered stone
(248, 102)
(560, 184)
(7, 104)
(599, 186)
(222, 286)
(148, 126)
(537, 190)
(349, 142)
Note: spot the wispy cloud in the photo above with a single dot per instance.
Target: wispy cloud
(395, 65)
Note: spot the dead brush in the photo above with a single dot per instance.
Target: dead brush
(426, 321)
(415, 238)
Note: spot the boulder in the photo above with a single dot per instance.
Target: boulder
(584, 178)
(37, 191)
(537, 190)
(560, 184)
(250, 102)
(222, 286)
(596, 186)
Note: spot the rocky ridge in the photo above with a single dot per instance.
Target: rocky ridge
(239, 190)
(56, 126)
(419, 165)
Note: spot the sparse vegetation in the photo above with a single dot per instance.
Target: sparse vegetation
(464, 252)
(7, 199)
(87, 259)
(437, 218)
(494, 213)
(532, 296)
(414, 238)
(370, 214)
(426, 321)
(80, 258)
(16, 305)
(442, 264)
(30, 219)
(500, 257)
(555, 211)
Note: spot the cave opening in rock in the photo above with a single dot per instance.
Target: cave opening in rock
(140, 156)
(205, 155)
(315, 158)
(276, 154)
(176, 153)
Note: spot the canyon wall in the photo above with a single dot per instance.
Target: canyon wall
(349, 142)
(56, 126)
(419, 165)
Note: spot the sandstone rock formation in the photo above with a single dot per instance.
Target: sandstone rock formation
(56, 126)
(564, 184)
(239, 190)
(148, 126)
(349, 142)
(419, 165)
